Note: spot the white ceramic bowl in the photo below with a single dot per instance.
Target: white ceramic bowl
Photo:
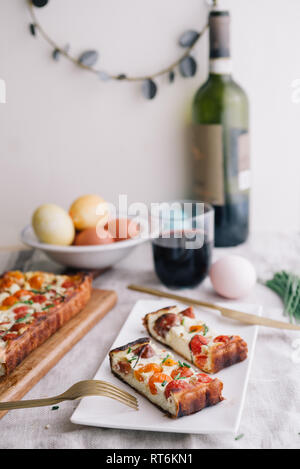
(83, 257)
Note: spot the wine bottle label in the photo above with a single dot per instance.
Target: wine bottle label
(207, 151)
(217, 160)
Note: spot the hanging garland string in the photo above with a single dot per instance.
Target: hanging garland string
(185, 63)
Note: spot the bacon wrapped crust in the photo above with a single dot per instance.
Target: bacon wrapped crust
(178, 398)
(210, 353)
(46, 325)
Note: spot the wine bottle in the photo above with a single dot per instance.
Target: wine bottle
(220, 140)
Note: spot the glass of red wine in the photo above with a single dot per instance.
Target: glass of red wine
(182, 242)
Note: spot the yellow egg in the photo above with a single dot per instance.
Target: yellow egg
(53, 225)
(89, 211)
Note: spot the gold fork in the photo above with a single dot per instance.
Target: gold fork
(77, 391)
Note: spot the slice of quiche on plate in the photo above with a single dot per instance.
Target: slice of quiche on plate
(194, 340)
(173, 386)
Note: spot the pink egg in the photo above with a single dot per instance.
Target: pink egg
(232, 276)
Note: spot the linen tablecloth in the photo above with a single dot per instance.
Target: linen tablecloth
(271, 414)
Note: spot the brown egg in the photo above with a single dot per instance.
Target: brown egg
(122, 228)
(91, 236)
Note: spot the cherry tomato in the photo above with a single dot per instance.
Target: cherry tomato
(20, 293)
(200, 360)
(182, 371)
(16, 274)
(10, 301)
(189, 312)
(20, 311)
(169, 362)
(9, 337)
(36, 281)
(6, 283)
(176, 386)
(196, 328)
(222, 338)
(203, 378)
(157, 378)
(196, 344)
(39, 299)
(147, 369)
(18, 326)
(67, 284)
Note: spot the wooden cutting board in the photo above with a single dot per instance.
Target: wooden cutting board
(41, 360)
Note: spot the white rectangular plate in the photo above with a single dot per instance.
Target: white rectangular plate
(223, 417)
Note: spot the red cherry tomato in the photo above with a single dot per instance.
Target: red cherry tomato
(200, 361)
(39, 299)
(222, 338)
(182, 371)
(18, 326)
(20, 311)
(9, 337)
(189, 312)
(196, 344)
(203, 378)
(176, 386)
(67, 284)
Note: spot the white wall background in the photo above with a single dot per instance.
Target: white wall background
(63, 132)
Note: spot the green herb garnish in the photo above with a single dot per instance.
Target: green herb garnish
(47, 307)
(287, 286)
(182, 322)
(165, 359)
(55, 407)
(133, 358)
(27, 302)
(129, 350)
(24, 318)
(239, 436)
(177, 376)
(180, 364)
(205, 329)
(186, 364)
(164, 383)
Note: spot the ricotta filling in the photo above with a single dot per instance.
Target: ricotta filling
(160, 358)
(178, 337)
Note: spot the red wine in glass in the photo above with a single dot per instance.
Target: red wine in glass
(178, 266)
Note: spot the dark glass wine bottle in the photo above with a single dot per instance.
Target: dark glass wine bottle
(220, 140)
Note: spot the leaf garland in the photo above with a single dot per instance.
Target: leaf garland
(186, 64)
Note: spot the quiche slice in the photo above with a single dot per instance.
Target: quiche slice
(33, 305)
(194, 340)
(173, 386)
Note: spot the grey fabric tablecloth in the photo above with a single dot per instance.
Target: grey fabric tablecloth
(271, 413)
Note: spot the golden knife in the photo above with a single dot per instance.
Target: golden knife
(227, 312)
